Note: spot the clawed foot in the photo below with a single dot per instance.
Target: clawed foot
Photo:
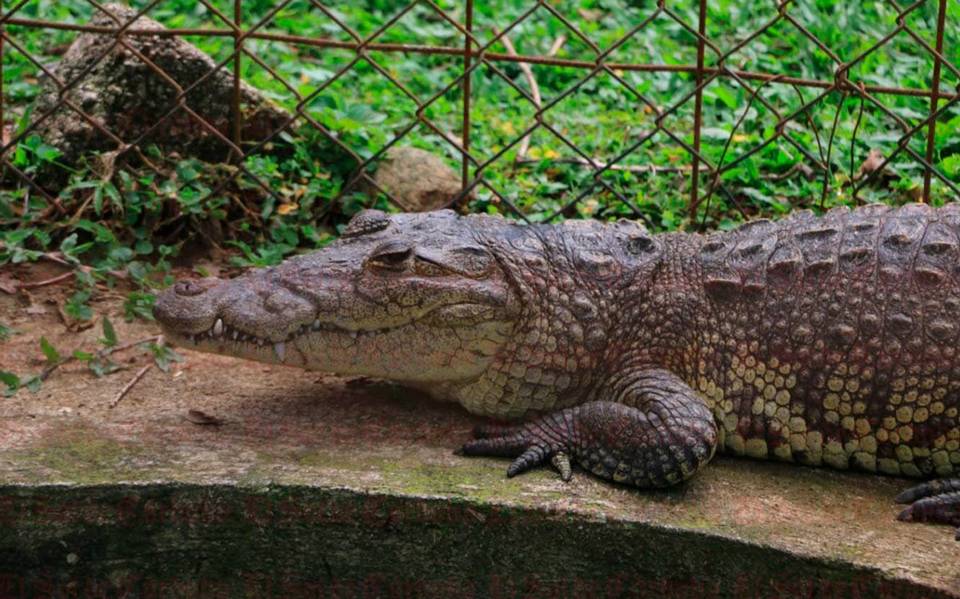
(532, 444)
(933, 501)
(657, 446)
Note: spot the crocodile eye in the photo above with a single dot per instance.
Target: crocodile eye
(639, 245)
(393, 255)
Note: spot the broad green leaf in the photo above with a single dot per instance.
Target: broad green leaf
(11, 380)
(76, 307)
(33, 384)
(49, 351)
(109, 333)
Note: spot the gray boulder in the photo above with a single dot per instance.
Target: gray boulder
(128, 98)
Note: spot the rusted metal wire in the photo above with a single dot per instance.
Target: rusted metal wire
(934, 94)
(698, 109)
(237, 114)
(490, 56)
(3, 120)
(467, 93)
(711, 65)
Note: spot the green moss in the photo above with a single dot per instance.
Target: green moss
(473, 478)
(80, 457)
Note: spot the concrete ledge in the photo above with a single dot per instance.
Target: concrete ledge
(171, 540)
(314, 486)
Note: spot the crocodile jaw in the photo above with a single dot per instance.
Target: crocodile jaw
(445, 355)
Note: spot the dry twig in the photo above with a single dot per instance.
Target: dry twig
(156, 340)
(557, 44)
(640, 168)
(531, 81)
(103, 353)
(51, 281)
(130, 385)
(59, 258)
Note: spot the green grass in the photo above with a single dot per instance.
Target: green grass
(138, 220)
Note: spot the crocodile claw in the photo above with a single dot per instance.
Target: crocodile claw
(561, 462)
(530, 444)
(933, 501)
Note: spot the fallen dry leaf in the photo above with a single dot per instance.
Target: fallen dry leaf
(287, 208)
(202, 418)
(873, 161)
(590, 15)
(8, 284)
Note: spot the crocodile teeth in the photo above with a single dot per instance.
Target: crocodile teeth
(354, 334)
(234, 334)
(218, 328)
(280, 349)
(316, 324)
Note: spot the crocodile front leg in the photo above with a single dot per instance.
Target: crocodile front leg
(933, 501)
(651, 430)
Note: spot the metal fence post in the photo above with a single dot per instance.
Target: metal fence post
(465, 123)
(698, 112)
(237, 49)
(3, 141)
(934, 97)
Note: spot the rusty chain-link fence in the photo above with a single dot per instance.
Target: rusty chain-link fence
(700, 100)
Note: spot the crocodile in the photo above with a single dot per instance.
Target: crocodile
(820, 340)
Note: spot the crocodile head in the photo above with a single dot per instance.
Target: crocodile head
(416, 298)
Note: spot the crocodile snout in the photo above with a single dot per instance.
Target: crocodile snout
(187, 306)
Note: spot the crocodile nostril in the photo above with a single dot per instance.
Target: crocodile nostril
(188, 288)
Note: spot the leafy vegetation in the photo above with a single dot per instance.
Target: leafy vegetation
(111, 221)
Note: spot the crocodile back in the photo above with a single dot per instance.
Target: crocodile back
(832, 340)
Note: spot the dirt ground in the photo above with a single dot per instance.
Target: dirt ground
(73, 390)
(281, 425)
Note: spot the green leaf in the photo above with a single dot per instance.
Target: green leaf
(104, 367)
(726, 96)
(69, 242)
(114, 196)
(33, 384)
(109, 333)
(143, 247)
(163, 355)
(139, 304)
(76, 307)
(47, 153)
(951, 165)
(11, 381)
(49, 351)
(82, 355)
(98, 200)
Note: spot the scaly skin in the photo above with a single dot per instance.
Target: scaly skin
(823, 341)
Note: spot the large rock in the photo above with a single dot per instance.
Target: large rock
(416, 179)
(128, 97)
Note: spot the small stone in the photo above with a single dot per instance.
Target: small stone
(417, 180)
